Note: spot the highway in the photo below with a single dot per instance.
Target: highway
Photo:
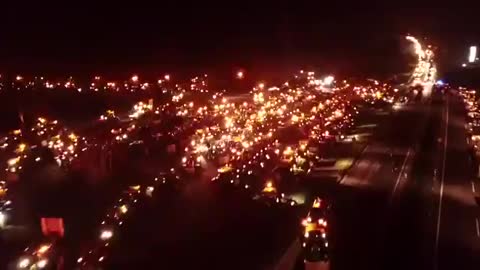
(214, 224)
(364, 198)
(407, 201)
(423, 214)
(217, 224)
(435, 217)
(80, 190)
(457, 236)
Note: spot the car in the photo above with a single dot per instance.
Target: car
(287, 155)
(225, 169)
(92, 259)
(270, 195)
(3, 189)
(5, 208)
(43, 256)
(316, 254)
(316, 220)
(315, 233)
(192, 163)
(269, 190)
(300, 166)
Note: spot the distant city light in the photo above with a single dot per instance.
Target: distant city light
(464, 65)
(440, 82)
(473, 54)
(328, 80)
(167, 77)
(240, 75)
(134, 78)
(418, 47)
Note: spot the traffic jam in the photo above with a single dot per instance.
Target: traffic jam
(258, 143)
(472, 125)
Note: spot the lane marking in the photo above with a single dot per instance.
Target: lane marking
(478, 229)
(289, 257)
(357, 161)
(404, 165)
(473, 187)
(437, 237)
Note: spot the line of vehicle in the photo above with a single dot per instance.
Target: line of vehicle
(437, 236)
(399, 177)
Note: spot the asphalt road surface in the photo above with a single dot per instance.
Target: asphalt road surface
(360, 216)
(457, 236)
(417, 209)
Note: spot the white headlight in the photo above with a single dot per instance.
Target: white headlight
(23, 263)
(106, 234)
(42, 263)
(149, 191)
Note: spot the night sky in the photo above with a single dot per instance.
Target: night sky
(208, 37)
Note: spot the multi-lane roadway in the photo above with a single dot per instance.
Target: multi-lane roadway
(415, 209)
(408, 201)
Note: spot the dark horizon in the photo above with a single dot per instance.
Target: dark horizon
(116, 39)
